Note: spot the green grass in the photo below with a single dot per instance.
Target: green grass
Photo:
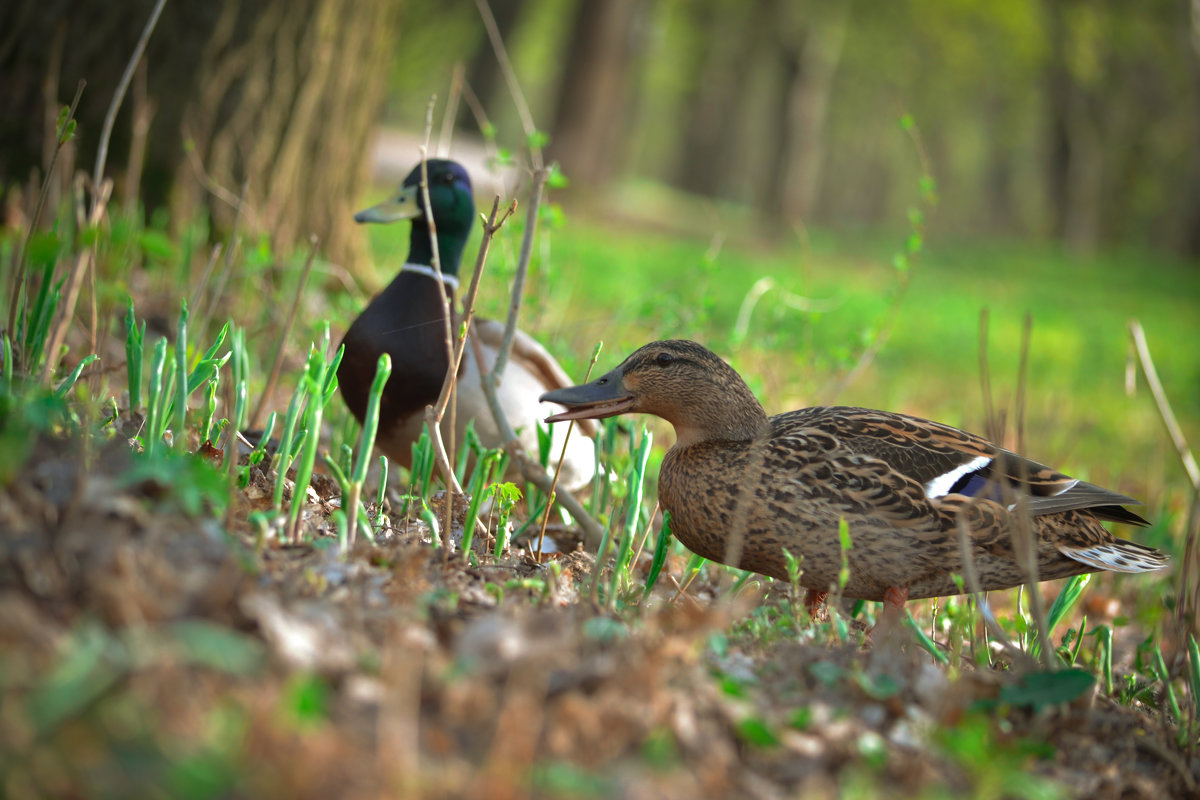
(626, 284)
(629, 283)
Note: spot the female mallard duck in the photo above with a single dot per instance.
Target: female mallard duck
(407, 320)
(900, 483)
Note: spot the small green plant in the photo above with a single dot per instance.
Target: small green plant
(621, 576)
(135, 353)
(1067, 598)
(662, 544)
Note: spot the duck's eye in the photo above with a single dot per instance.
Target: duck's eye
(448, 177)
(601, 381)
(664, 359)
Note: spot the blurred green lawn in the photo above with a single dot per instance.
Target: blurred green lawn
(627, 284)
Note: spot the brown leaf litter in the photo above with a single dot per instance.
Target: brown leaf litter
(146, 651)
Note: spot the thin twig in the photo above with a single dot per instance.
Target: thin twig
(518, 289)
(645, 534)
(971, 578)
(1164, 405)
(593, 531)
(209, 182)
(79, 268)
(277, 364)
(510, 79)
(562, 456)
(451, 111)
(441, 455)
(435, 413)
(202, 319)
(198, 292)
(491, 224)
(1186, 605)
(110, 116)
(484, 125)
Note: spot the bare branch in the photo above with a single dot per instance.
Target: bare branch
(111, 116)
(510, 78)
(1164, 405)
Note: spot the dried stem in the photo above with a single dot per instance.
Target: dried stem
(562, 456)
(143, 114)
(100, 196)
(451, 111)
(210, 184)
(111, 116)
(441, 456)
(510, 79)
(593, 531)
(198, 292)
(435, 413)
(971, 577)
(214, 297)
(518, 290)
(491, 224)
(1164, 405)
(18, 283)
(489, 141)
(1188, 605)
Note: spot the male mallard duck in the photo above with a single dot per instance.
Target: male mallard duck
(407, 320)
(900, 483)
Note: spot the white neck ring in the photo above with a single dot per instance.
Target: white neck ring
(428, 271)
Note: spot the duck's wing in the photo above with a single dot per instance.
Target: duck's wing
(535, 358)
(946, 460)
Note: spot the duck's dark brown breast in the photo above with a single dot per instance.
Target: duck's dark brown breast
(405, 320)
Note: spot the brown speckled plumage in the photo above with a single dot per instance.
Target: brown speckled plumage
(738, 480)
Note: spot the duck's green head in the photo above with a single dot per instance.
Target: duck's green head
(451, 204)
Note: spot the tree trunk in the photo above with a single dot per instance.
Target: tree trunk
(279, 95)
(1187, 240)
(706, 154)
(288, 97)
(1077, 144)
(999, 207)
(594, 96)
(1058, 95)
(809, 51)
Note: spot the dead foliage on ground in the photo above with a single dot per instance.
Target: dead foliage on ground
(148, 652)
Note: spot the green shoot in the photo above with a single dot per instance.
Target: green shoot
(475, 490)
(135, 347)
(181, 396)
(633, 509)
(1066, 600)
(505, 496)
(69, 381)
(318, 376)
(383, 371)
(660, 554)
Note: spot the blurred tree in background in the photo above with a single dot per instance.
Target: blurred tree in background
(1077, 120)
(279, 95)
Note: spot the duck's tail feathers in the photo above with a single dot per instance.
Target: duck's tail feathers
(1118, 555)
